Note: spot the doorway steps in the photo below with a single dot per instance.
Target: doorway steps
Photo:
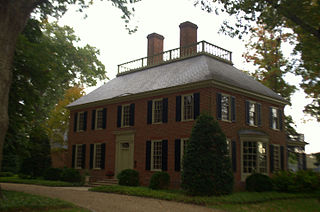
(103, 182)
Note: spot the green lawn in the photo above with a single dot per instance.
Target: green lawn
(19, 201)
(239, 201)
(16, 179)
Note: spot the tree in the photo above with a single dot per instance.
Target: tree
(206, 163)
(58, 122)
(302, 18)
(13, 17)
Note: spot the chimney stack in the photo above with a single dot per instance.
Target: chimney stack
(188, 36)
(155, 47)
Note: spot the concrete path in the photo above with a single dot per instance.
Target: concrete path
(101, 202)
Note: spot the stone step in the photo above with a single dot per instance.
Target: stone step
(104, 182)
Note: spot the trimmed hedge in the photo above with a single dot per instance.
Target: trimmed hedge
(258, 183)
(71, 175)
(128, 177)
(6, 174)
(52, 174)
(159, 180)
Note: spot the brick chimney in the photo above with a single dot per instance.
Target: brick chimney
(188, 36)
(155, 47)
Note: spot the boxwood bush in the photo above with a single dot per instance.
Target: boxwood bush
(159, 180)
(259, 183)
(71, 175)
(128, 177)
(52, 174)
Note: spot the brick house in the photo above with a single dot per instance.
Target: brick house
(143, 118)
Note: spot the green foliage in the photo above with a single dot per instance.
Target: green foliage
(6, 174)
(52, 174)
(301, 181)
(128, 177)
(71, 175)
(258, 182)
(159, 180)
(317, 156)
(37, 181)
(206, 165)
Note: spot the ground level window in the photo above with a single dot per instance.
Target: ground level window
(184, 143)
(276, 157)
(97, 156)
(156, 155)
(78, 156)
(254, 157)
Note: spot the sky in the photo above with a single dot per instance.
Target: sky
(104, 29)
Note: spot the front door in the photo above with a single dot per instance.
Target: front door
(124, 152)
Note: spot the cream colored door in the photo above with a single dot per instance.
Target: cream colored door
(124, 152)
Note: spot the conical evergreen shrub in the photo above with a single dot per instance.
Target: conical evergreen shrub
(206, 163)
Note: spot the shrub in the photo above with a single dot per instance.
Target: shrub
(301, 181)
(206, 166)
(25, 176)
(6, 174)
(258, 182)
(71, 175)
(159, 180)
(128, 177)
(52, 174)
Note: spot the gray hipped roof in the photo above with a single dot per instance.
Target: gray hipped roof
(190, 70)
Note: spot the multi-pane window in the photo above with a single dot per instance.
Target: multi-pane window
(81, 121)
(156, 155)
(228, 141)
(275, 118)
(125, 115)
(254, 157)
(183, 147)
(276, 157)
(253, 117)
(97, 156)
(157, 111)
(99, 119)
(79, 156)
(225, 107)
(187, 107)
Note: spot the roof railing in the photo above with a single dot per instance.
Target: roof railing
(175, 54)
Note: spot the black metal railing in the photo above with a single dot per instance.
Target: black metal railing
(175, 54)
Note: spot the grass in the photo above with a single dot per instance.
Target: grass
(239, 201)
(16, 179)
(19, 201)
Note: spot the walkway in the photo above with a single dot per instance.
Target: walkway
(101, 202)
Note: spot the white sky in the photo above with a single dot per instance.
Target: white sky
(104, 29)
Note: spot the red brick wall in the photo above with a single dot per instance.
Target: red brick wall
(59, 158)
(169, 131)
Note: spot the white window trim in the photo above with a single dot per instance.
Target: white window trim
(278, 122)
(96, 119)
(229, 97)
(256, 112)
(228, 141)
(254, 139)
(279, 156)
(153, 109)
(182, 150)
(182, 107)
(152, 161)
(94, 155)
(122, 116)
(76, 157)
(78, 121)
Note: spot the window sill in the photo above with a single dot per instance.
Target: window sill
(186, 120)
(157, 122)
(228, 121)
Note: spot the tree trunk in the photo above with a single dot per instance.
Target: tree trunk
(13, 17)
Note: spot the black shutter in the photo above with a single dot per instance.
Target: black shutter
(119, 114)
(164, 155)
(85, 120)
(75, 123)
(219, 106)
(165, 110)
(233, 109)
(149, 113)
(282, 157)
(91, 155)
(259, 114)
(103, 155)
(270, 117)
(196, 109)
(247, 105)
(234, 155)
(177, 154)
(304, 162)
(148, 155)
(104, 118)
(93, 119)
(271, 158)
(73, 156)
(83, 164)
(280, 118)
(178, 108)
(131, 122)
